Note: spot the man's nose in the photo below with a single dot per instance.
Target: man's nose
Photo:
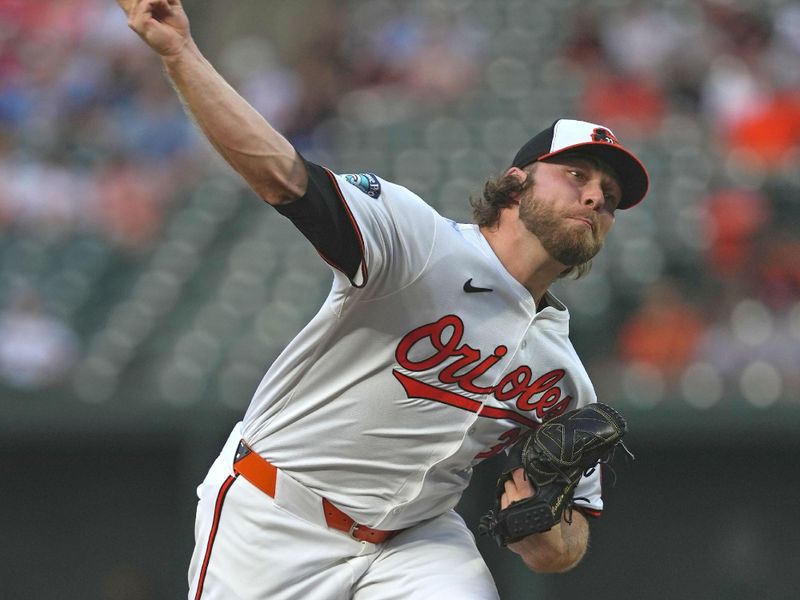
(593, 194)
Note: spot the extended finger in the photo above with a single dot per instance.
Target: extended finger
(522, 483)
(520, 478)
(126, 5)
(146, 10)
(510, 493)
(510, 487)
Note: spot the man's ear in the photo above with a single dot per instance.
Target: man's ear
(518, 173)
(521, 175)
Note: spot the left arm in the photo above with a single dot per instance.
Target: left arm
(553, 551)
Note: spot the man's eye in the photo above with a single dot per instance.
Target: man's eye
(576, 173)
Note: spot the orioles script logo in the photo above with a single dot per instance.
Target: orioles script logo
(442, 338)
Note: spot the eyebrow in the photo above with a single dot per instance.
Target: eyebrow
(601, 166)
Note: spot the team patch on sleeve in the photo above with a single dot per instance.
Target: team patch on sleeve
(366, 182)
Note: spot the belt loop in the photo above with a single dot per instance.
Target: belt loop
(242, 450)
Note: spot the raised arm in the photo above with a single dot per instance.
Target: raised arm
(261, 155)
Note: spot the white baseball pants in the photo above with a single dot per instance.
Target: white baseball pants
(249, 546)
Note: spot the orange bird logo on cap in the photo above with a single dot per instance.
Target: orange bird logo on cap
(601, 134)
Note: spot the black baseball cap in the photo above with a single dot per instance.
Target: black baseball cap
(567, 135)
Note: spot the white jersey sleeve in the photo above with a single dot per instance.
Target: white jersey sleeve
(396, 229)
(588, 493)
(374, 234)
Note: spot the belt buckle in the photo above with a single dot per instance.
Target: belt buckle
(353, 529)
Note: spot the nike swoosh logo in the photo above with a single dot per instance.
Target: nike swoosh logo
(471, 289)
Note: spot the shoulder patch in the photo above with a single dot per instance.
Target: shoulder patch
(366, 182)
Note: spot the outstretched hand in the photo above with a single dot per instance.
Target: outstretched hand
(162, 24)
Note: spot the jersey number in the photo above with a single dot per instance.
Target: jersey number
(506, 439)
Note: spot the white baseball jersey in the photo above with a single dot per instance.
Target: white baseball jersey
(429, 360)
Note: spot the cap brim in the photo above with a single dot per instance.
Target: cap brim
(632, 175)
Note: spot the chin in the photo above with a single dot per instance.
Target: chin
(575, 255)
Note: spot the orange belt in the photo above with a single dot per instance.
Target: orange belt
(263, 474)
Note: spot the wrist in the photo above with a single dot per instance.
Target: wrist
(186, 51)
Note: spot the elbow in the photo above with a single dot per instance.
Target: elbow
(281, 186)
(277, 192)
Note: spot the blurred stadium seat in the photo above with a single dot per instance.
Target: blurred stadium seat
(221, 262)
(182, 287)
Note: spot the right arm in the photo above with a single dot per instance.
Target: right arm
(307, 194)
(261, 155)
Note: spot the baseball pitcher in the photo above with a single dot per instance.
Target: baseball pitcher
(437, 347)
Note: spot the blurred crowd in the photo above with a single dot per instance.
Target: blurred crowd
(730, 326)
(94, 144)
(90, 141)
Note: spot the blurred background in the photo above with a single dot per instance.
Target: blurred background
(144, 290)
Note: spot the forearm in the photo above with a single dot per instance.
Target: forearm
(261, 155)
(557, 550)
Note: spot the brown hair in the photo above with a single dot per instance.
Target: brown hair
(501, 192)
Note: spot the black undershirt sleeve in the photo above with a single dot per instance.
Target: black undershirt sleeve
(322, 218)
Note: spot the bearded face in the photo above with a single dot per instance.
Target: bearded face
(569, 242)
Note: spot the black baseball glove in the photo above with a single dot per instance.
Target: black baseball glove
(554, 457)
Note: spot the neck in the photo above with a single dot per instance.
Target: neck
(523, 256)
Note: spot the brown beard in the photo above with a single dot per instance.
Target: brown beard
(571, 246)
